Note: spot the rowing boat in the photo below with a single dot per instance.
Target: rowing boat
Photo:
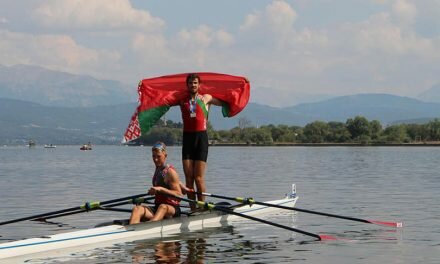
(117, 232)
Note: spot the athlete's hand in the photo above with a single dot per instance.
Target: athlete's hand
(185, 189)
(155, 190)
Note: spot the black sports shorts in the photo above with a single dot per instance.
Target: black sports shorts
(195, 146)
(177, 208)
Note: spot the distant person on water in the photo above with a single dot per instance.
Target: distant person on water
(195, 110)
(165, 181)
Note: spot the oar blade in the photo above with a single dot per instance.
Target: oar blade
(392, 224)
(323, 237)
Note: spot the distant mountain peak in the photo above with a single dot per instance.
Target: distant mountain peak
(383, 107)
(56, 88)
(431, 95)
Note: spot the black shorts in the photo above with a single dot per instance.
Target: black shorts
(177, 208)
(195, 146)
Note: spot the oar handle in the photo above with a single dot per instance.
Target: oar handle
(130, 201)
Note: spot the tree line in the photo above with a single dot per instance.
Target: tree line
(355, 130)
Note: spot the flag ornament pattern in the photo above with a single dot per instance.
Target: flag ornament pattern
(157, 95)
(133, 131)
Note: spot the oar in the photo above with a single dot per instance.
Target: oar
(130, 201)
(252, 201)
(82, 208)
(230, 211)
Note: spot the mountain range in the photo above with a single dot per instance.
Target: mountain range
(23, 120)
(61, 108)
(55, 88)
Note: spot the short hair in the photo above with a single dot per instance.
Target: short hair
(159, 145)
(191, 77)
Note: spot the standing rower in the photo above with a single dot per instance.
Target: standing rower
(195, 110)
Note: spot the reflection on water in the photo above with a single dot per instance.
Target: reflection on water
(187, 247)
(187, 251)
(164, 252)
(196, 250)
(205, 247)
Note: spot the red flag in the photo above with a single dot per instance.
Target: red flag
(157, 95)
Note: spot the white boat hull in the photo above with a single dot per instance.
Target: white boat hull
(124, 233)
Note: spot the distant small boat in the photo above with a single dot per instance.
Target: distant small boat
(31, 144)
(86, 147)
(50, 146)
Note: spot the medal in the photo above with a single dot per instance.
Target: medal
(192, 108)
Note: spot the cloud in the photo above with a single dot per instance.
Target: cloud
(199, 38)
(382, 53)
(82, 37)
(57, 52)
(278, 18)
(95, 15)
(405, 12)
(203, 37)
(188, 50)
(379, 34)
(251, 21)
(224, 38)
(377, 50)
(151, 49)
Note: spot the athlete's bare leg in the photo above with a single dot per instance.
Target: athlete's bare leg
(163, 211)
(140, 213)
(199, 178)
(188, 169)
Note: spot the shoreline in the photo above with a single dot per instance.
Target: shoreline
(418, 144)
(288, 144)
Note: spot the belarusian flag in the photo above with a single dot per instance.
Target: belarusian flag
(157, 95)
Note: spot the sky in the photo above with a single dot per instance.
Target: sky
(291, 51)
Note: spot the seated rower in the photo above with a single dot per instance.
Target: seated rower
(165, 181)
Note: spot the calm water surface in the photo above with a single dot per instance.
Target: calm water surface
(380, 183)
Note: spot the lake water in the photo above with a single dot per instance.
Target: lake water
(380, 183)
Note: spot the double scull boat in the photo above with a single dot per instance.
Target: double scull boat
(117, 232)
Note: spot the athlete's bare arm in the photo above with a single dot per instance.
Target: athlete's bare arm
(208, 99)
(172, 179)
(174, 182)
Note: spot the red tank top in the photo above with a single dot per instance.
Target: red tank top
(159, 180)
(194, 114)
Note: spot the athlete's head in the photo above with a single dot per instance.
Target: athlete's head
(193, 83)
(159, 153)
(160, 146)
